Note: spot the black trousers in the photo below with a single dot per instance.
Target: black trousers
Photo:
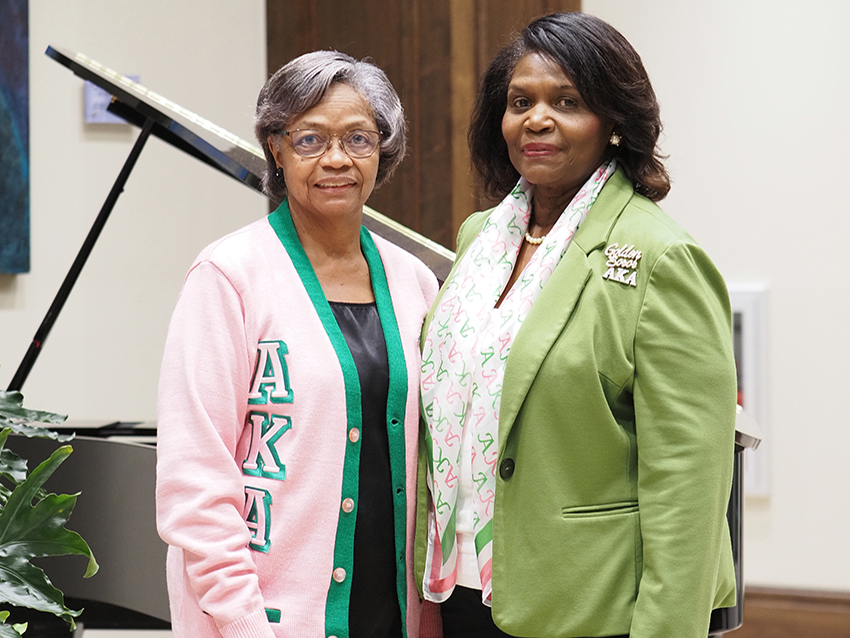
(465, 616)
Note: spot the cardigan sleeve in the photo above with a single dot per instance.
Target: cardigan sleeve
(201, 413)
(684, 399)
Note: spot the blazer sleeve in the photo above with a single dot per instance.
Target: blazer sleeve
(684, 400)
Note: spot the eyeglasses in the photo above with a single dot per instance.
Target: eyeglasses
(312, 143)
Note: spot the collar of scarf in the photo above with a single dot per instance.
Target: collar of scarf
(463, 366)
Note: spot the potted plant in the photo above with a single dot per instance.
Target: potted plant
(32, 521)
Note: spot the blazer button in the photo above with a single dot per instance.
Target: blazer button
(506, 469)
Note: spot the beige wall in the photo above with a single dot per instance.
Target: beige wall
(102, 358)
(754, 98)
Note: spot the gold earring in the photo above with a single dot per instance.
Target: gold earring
(615, 140)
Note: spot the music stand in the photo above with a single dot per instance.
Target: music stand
(205, 141)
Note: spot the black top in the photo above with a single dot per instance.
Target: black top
(374, 611)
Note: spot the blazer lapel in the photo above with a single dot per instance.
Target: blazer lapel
(604, 213)
(545, 321)
(557, 301)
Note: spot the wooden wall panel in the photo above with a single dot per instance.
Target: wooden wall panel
(430, 117)
(464, 78)
(433, 52)
(784, 613)
(499, 20)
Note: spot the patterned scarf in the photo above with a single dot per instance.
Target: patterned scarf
(463, 367)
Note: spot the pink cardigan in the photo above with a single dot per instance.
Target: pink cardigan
(255, 440)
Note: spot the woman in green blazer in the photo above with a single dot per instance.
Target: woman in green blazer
(578, 381)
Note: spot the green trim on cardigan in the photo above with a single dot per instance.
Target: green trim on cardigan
(396, 409)
(339, 593)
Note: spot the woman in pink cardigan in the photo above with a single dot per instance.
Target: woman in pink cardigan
(288, 405)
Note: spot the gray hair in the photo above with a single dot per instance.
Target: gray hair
(300, 84)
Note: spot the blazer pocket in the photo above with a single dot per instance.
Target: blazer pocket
(586, 562)
(601, 510)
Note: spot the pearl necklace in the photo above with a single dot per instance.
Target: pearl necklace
(534, 241)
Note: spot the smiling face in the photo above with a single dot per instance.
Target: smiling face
(332, 185)
(554, 140)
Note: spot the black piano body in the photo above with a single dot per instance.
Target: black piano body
(113, 467)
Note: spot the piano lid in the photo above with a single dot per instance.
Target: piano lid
(223, 150)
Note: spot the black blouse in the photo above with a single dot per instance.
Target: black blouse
(374, 611)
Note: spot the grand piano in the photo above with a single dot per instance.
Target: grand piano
(113, 464)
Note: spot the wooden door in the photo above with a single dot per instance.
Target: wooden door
(433, 52)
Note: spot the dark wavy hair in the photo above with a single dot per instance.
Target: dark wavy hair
(611, 78)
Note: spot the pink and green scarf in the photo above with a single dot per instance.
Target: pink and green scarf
(463, 366)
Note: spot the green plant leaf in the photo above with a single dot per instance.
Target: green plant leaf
(15, 631)
(15, 416)
(11, 631)
(12, 466)
(13, 469)
(28, 532)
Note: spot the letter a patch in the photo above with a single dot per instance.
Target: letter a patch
(271, 375)
(258, 517)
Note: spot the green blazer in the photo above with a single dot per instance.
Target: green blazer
(616, 437)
